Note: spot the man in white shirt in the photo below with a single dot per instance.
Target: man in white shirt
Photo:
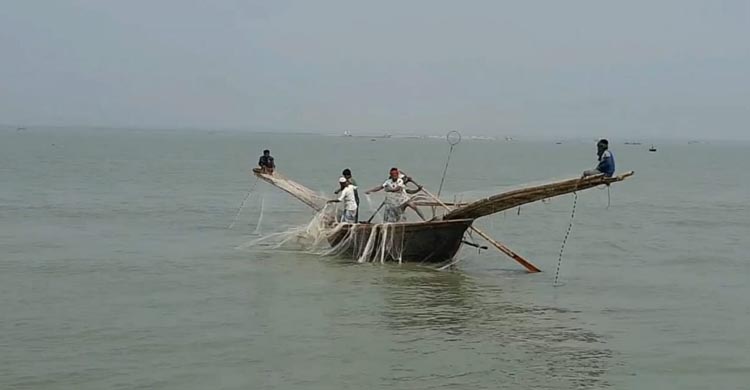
(347, 196)
(396, 198)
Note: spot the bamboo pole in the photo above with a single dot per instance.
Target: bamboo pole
(502, 248)
(515, 198)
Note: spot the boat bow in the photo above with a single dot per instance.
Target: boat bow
(511, 199)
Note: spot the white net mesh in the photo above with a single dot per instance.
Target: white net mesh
(365, 242)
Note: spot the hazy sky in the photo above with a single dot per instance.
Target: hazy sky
(538, 68)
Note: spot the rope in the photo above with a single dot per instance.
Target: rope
(260, 217)
(445, 170)
(452, 142)
(242, 206)
(451, 264)
(565, 240)
(609, 199)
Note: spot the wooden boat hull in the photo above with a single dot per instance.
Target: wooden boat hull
(422, 242)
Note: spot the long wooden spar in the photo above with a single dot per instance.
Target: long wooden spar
(511, 199)
(502, 248)
(302, 193)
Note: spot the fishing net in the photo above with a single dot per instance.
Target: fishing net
(365, 242)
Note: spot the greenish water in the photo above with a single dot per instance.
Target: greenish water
(117, 270)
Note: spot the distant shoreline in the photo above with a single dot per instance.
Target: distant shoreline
(627, 141)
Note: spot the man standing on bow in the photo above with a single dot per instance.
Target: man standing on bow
(396, 197)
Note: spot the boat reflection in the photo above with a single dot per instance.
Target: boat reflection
(460, 316)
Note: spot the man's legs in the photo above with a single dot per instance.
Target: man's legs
(392, 214)
(349, 216)
(416, 209)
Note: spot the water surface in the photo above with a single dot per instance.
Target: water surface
(117, 270)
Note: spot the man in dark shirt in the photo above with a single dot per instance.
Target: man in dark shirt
(267, 165)
(606, 163)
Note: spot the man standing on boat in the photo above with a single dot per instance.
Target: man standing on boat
(347, 174)
(347, 195)
(266, 163)
(396, 198)
(606, 164)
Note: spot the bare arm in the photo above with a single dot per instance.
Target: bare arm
(410, 192)
(340, 199)
(407, 180)
(376, 189)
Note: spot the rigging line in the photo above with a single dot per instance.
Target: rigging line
(260, 217)
(445, 170)
(449, 265)
(453, 138)
(242, 206)
(565, 240)
(609, 198)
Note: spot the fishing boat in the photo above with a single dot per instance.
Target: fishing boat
(434, 241)
(652, 148)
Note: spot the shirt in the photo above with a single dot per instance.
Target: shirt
(267, 162)
(356, 193)
(606, 164)
(347, 196)
(395, 198)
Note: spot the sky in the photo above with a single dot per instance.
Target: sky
(623, 69)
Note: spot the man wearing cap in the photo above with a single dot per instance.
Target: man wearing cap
(346, 195)
(347, 174)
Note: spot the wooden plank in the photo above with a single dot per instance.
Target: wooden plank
(302, 193)
(502, 248)
(515, 198)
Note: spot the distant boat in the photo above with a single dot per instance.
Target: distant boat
(347, 133)
(21, 129)
(632, 143)
(652, 148)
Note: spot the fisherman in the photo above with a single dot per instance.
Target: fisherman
(606, 164)
(347, 195)
(347, 174)
(397, 198)
(394, 198)
(266, 163)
